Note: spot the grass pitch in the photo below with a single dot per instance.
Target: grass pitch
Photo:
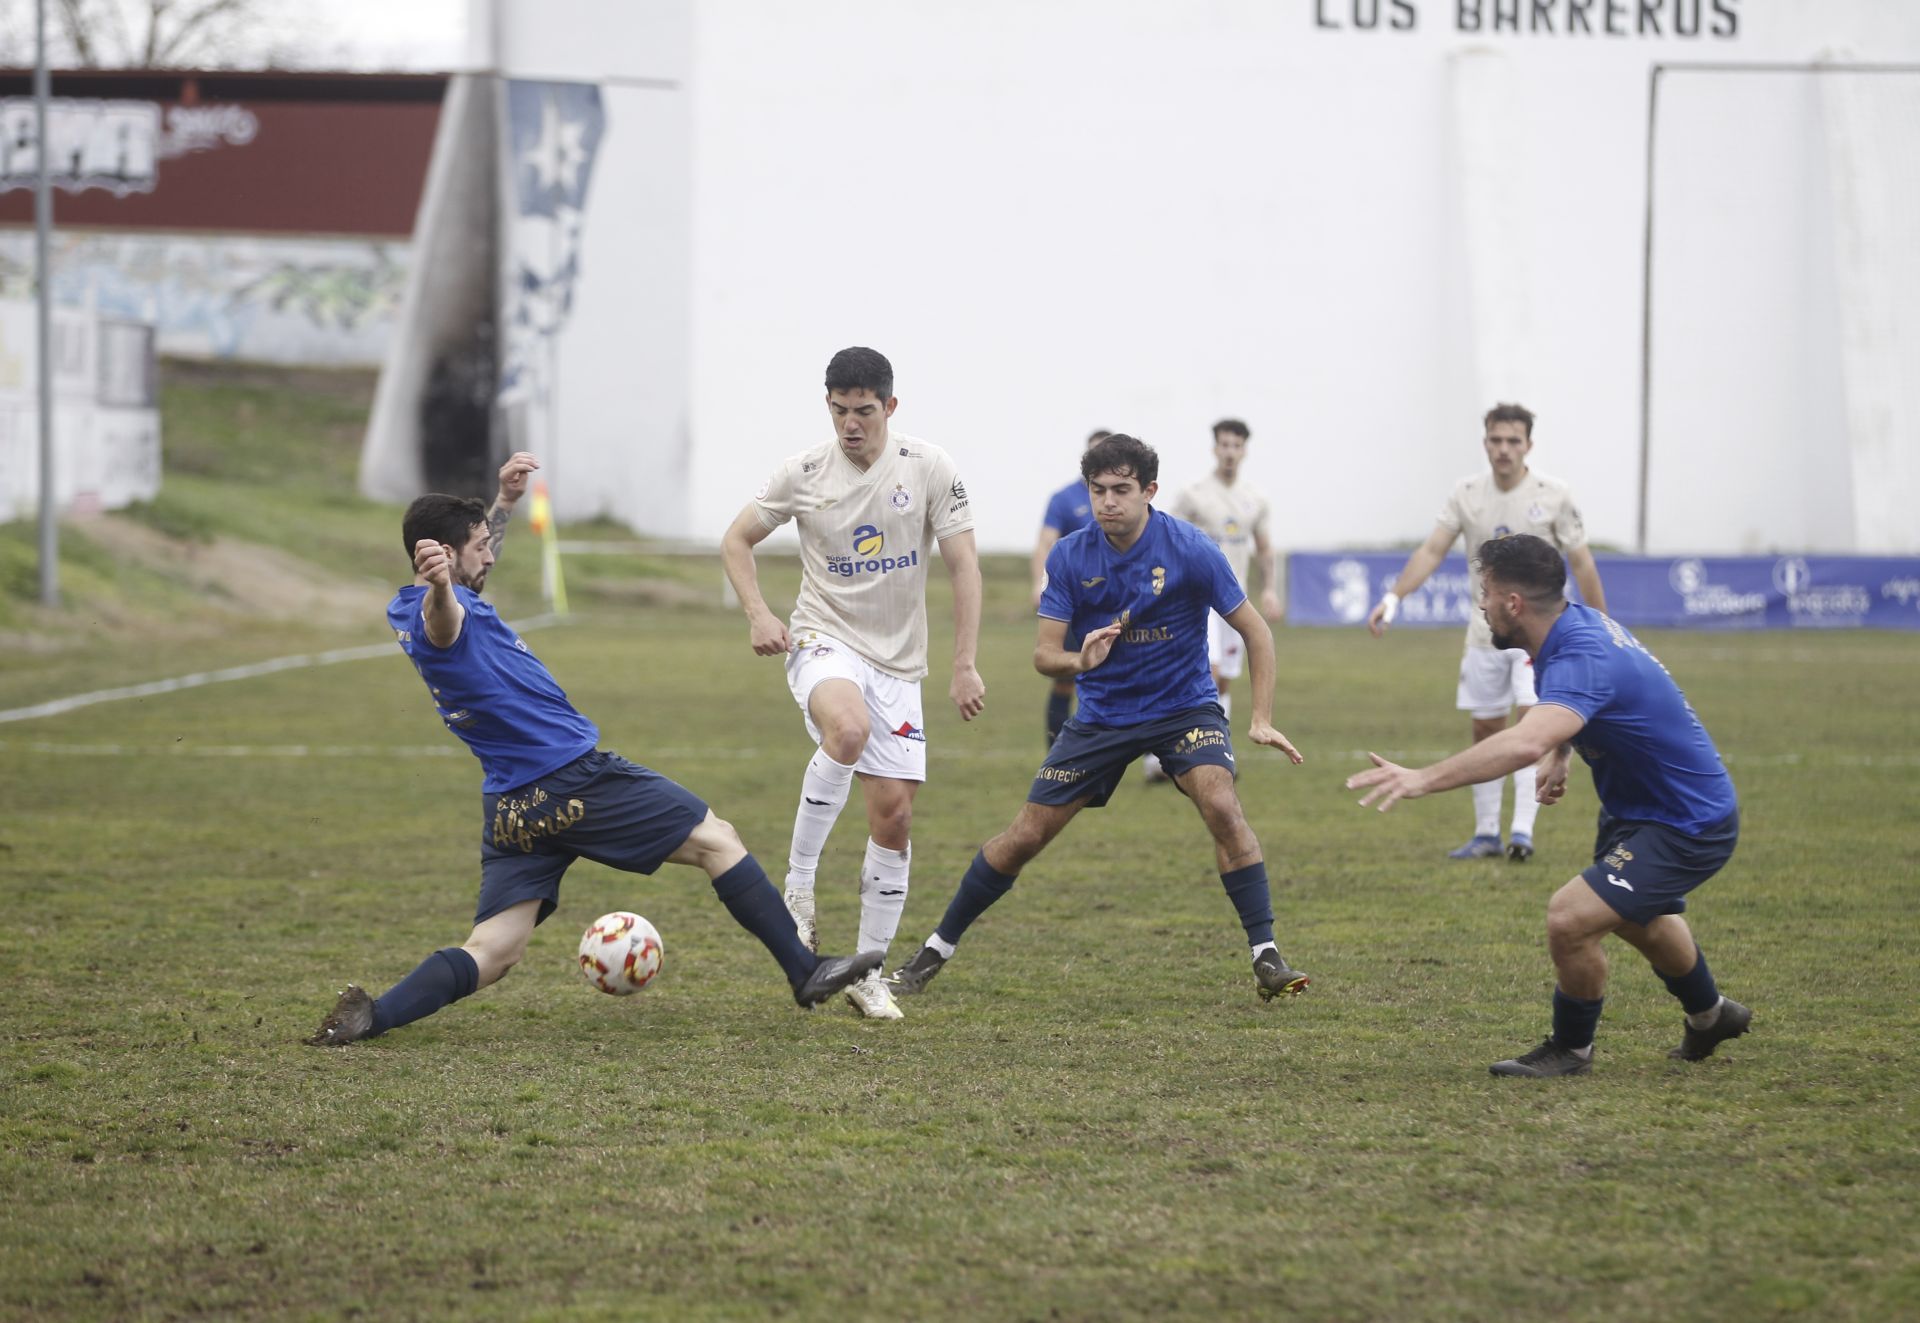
(1089, 1115)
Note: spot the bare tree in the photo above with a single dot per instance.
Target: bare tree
(151, 34)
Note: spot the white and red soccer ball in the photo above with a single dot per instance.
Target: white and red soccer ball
(620, 953)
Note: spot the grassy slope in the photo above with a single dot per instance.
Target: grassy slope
(1089, 1116)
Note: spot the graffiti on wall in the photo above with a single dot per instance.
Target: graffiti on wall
(111, 145)
(318, 301)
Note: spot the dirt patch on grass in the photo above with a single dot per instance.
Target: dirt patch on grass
(242, 578)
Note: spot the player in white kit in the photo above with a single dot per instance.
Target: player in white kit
(1234, 515)
(1509, 498)
(869, 507)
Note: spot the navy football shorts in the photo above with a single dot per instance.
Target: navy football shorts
(1089, 761)
(599, 807)
(1645, 869)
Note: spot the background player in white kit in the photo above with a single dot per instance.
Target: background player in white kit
(1234, 515)
(868, 506)
(1509, 498)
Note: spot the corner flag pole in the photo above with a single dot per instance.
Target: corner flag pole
(553, 586)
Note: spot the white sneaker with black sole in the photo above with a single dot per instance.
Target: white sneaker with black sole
(800, 906)
(872, 999)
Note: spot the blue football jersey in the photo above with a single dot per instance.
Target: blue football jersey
(1652, 760)
(1161, 589)
(492, 692)
(1070, 509)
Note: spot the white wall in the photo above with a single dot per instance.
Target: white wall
(1143, 215)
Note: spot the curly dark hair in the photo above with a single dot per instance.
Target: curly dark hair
(1121, 453)
(449, 520)
(1533, 566)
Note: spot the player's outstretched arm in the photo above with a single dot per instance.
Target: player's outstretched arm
(441, 610)
(764, 629)
(1420, 566)
(1253, 630)
(515, 475)
(1052, 658)
(1587, 574)
(962, 558)
(1544, 728)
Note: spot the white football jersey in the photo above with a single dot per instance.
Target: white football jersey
(865, 540)
(1478, 511)
(1231, 516)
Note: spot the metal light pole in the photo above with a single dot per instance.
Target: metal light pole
(43, 272)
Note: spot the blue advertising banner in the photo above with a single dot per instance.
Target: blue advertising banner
(1687, 592)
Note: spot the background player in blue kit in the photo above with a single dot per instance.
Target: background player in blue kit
(1068, 511)
(1135, 589)
(1668, 814)
(548, 797)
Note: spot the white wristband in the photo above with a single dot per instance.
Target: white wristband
(1389, 607)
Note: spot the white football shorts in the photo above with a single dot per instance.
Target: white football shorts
(1226, 650)
(897, 739)
(1491, 681)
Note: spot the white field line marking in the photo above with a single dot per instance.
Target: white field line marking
(54, 707)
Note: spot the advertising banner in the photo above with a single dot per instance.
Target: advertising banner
(1686, 592)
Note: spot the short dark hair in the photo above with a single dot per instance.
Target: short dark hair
(1530, 564)
(1098, 434)
(1233, 425)
(1510, 413)
(1120, 453)
(860, 368)
(449, 520)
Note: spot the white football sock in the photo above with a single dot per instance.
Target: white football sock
(1708, 1018)
(1486, 807)
(823, 793)
(883, 894)
(1525, 807)
(1265, 946)
(940, 946)
(1226, 704)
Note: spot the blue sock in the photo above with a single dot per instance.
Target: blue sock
(1696, 989)
(982, 885)
(1575, 1019)
(440, 980)
(1247, 889)
(757, 907)
(1059, 707)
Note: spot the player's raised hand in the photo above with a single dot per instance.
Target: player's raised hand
(768, 635)
(968, 692)
(433, 561)
(1096, 645)
(515, 474)
(1387, 783)
(1262, 732)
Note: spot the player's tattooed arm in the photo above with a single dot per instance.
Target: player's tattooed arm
(515, 475)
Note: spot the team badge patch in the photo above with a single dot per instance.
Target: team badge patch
(901, 499)
(1159, 579)
(1537, 513)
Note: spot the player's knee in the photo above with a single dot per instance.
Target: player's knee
(845, 741)
(892, 824)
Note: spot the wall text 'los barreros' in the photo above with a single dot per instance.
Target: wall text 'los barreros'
(1711, 19)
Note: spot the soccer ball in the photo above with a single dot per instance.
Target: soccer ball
(620, 953)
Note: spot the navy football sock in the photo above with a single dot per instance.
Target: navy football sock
(440, 980)
(757, 907)
(982, 885)
(1575, 1019)
(1059, 707)
(1247, 889)
(1695, 988)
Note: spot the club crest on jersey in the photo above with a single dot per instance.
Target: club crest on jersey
(901, 499)
(1537, 513)
(868, 542)
(1159, 579)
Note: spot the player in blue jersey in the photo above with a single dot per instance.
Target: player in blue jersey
(1668, 814)
(1068, 511)
(549, 796)
(1135, 590)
